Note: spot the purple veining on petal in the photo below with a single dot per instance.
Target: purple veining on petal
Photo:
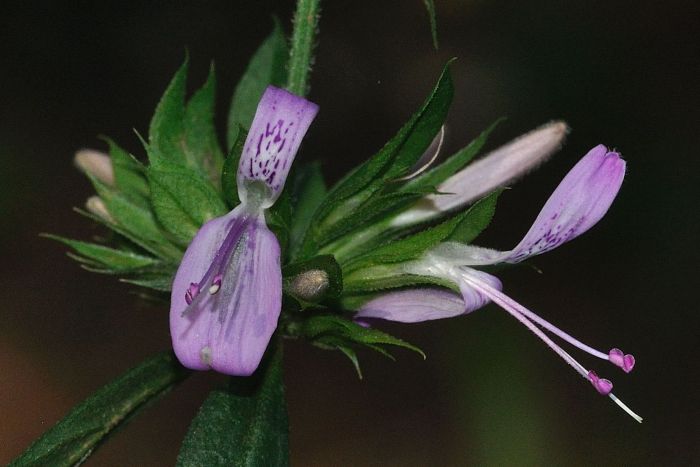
(579, 202)
(281, 121)
(228, 329)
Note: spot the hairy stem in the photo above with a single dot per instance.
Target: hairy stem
(303, 41)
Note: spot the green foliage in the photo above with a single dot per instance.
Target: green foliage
(268, 66)
(129, 175)
(244, 425)
(182, 200)
(165, 134)
(336, 332)
(430, 7)
(359, 192)
(107, 258)
(308, 188)
(74, 438)
(476, 219)
(135, 222)
(201, 144)
(463, 227)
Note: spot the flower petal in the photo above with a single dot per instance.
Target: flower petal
(579, 202)
(230, 329)
(498, 168)
(425, 304)
(279, 125)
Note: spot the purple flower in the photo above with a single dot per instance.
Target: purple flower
(227, 293)
(496, 169)
(578, 203)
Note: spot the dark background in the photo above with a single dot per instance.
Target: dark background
(621, 73)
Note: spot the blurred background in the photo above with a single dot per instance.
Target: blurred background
(621, 73)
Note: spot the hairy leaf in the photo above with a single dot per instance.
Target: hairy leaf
(167, 125)
(74, 438)
(244, 425)
(110, 258)
(182, 200)
(201, 144)
(322, 326)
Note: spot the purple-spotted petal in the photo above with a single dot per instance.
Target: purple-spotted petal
(279, 125)
(230, 321)
(425, 304)
(579, 202)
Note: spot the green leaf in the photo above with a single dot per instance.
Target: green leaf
(383, 278)
(268, 66)
(308, 189)
(182, 200)
(161, 281)
(372, 211)
(129, 174)
(393, 160)
(279, 218)
(74, 438)
(167, 125)
(244, 425)
(430, 7)
(113, 259)
(135, 222)
(201, 144)
(166, 251)
(321, 326)
(478, 217)
(435, 176)
(464, 227)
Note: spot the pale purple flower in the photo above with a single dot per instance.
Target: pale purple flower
(577, 204)
(496, 169)
(227, 293)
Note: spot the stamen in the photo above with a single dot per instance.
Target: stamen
(615, 356)
(192, 292)
(602, 385)
(215, 284)
(506, 303)
(618, 357)
(624, 407)
(237, 228)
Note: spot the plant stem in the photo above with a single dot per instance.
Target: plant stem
(303, 41)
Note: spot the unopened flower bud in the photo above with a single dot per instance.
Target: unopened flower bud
(96, 206)
(96, 164)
